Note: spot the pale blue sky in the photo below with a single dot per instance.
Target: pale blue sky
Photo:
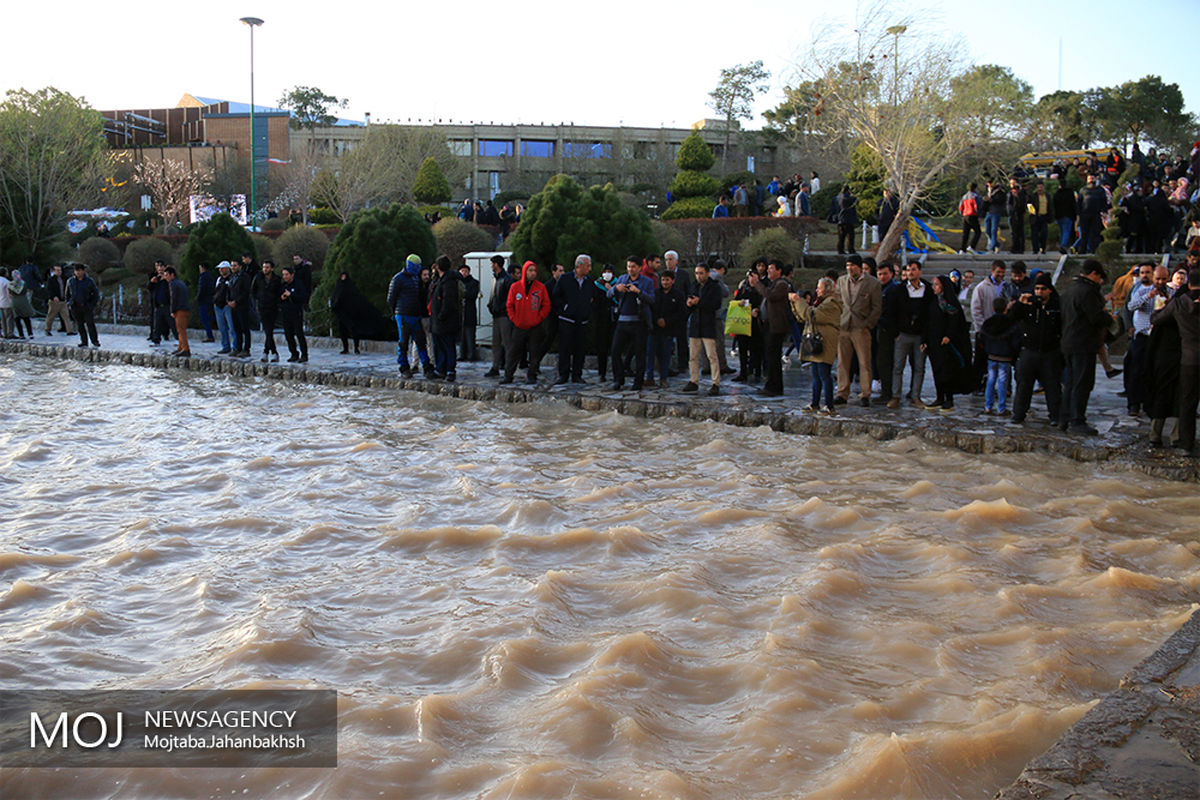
(637, 63)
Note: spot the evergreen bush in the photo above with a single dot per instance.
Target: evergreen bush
(455, 238)
(692, 189)
(308, 243)
(219, 239)
(770, 243)
(99, 254)
(141, 254)
(372, 247)
(431, 185)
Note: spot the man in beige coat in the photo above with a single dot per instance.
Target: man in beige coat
(862, 303)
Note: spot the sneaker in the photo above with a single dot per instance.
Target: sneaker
(894, 403)
(839, 401)
(266, 357)
(917, 402)
(714, 390)
(224, 352)
(691, 387)
(275, 357)
(1112, 373)
(429, 372)
(304, 358)
(810, 408)
(451, 377)
(405, 372)
(876, 387)
(947, 406)
(989, 412)
(1017, 421)
(492, 373)
(506, 379)
(865, 402)
(618, 385)
(828, 411)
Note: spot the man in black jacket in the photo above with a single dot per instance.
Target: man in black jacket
(1039, 314)
(845, 214)
(574, 302)
(886, 211)
(667, 318)
(1065, 212)
(497, 306)
(445, 312)
(158, 287)
(702, 329)
(1093, 202)
(206, 284)
(239, 303)
(83, 296)
(56, 288)
(1084, 320)
(267, 289)
(1017, 207)
(470, 315)
(293, 299)
(912, 302)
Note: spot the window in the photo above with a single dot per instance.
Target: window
(495, 147)
(460, 147)
(534, 148)
(587, 149)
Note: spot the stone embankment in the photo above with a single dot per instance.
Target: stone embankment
(1141, 741)
(1122, 443)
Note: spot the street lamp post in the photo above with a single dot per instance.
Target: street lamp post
(252, 23)
(895, 31)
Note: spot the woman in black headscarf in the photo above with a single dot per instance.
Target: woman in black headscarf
(353, 311)
(949, 345)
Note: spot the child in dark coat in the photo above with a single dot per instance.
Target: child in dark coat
(1000, 337)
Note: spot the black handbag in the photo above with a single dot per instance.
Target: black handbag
(812, 343)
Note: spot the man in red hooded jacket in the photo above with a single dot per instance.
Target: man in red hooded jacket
(528, 307)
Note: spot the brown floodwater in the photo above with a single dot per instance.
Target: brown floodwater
(532, 601)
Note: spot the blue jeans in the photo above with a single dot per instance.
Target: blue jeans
(822, 375)
(991, 224)
(658, 351)
(995, 392)
(206, 319)
(225, 325)
(1065, 229)
(410, 329)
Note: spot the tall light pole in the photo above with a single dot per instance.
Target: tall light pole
(252, 23)
(895, 31)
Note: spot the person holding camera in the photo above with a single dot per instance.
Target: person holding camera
(1039, 316)
(821, 312)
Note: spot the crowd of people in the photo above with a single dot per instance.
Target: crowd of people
(1156, 210)
(860, 330)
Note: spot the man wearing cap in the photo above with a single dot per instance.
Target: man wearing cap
(221, 307)
(1039, 315)
(83, 297)
(528, 306)
(404, 299)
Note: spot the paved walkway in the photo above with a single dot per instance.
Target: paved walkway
(1122, 439)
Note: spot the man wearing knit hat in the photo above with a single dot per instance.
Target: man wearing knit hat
(404, 299)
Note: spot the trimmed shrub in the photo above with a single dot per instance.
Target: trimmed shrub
(690, 208)
(372, 247)
(688, 184)
(275, 224)
(742, 178)
(141, 254)
(431, 185)
(214, 241)
(669, 238)
(724, 237)
(509, 196)
(307, 243)
(99, 254)
(695, 154)
(771, 243)
(264, 248)
(455, 238)
(322, 215)
(564, 220)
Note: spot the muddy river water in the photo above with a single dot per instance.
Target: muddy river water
(532, 601)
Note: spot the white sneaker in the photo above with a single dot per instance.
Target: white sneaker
(876, 387)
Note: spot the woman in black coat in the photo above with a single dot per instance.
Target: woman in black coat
(948, 344)
(352, 309)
